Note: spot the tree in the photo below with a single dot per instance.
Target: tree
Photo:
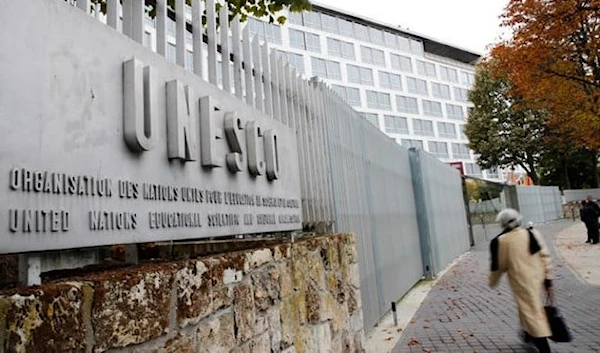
(255, 8)
(499, 128)
(553, 61)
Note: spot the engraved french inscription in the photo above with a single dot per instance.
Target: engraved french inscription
(223, 220)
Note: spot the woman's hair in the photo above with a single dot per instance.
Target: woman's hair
(509, 218)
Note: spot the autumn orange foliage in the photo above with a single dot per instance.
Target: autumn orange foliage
(553, 61)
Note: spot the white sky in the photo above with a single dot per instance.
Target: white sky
(470, 24)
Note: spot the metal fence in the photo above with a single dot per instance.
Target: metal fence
(576, 195)
(539, 204)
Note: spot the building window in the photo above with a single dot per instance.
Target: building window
(492, 173)
(461, 129)
(295, 60)
(378, 100)
(389, 80)
(416, 86)
(460, 151)
(423, 127)
(267, 32)
(326, 68)
(455, 112)
(416, 47)
(472, 169)
(295, 18)
(408, 143)
(376, 36)
(312, 19)
(447, 130)
(372, 56)
(305, 41)
(390, 40)
(461, 94)
(407, 105)
(340, 49)
(347, 28)
(448, 74)
(401, 63)
(372, 118)
(439, 90)
(330, 23)
(426, 69)
(360, 75)
(189, 61)
(467, 78)
(396, 124)
(362, 32)
(403, 44)
(438, 149)
(432, 108)
(349, 94)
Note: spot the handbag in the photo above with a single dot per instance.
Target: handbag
(560, 331)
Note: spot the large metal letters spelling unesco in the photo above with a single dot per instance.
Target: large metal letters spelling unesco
(104, 142)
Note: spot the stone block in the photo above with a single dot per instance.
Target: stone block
(281, 252)
(131, 306)
(222, 297)
(266, 287)
(261, 323)
(243, 308)
(257, 258)
(321, 335)
(49, 319)
(285, 280)
(228, 269)
(354, 299)
(290, 320)
(194, 292)
(180, 344)
(359, 341)
(261, 344)
(217, 334)
(274, 319)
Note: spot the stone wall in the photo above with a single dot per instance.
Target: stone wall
(300, 297)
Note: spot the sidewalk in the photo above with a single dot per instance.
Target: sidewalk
(461, 313)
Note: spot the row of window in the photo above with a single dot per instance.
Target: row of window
(421, 127)
(346, 50)
(345, 27)
(440, 150)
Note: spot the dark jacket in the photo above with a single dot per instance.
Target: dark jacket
(590, 213)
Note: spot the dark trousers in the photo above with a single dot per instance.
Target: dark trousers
(593, 233)
(541, 343)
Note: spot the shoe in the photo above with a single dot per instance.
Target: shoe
(588, 241)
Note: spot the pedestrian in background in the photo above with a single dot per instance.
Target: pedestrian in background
(589, 215)
(523, 255)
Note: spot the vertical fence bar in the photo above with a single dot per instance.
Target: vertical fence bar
(276, 85)
(180, 32)
(321, 152)
(112, 13)
(197, 34)
(258, 77)
(85, 5)
(137, 24)
(211, 28)
(248, 67)
(283, 79)
(161, 27)
(127, 18)
(267, 79)
(311, 149)
(225, 51)
(236, 42)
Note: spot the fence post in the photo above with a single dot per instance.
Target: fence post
(421, 208)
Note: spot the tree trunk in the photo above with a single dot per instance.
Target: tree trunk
(595, 169)
(566, 171)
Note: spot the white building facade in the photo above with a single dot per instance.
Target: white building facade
(411, 87)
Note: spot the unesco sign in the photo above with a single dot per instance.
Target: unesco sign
(110, 144)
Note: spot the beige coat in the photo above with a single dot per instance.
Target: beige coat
(526, 275)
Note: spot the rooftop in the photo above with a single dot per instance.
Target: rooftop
(431, 45)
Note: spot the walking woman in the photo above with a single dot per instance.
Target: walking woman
(523, 255)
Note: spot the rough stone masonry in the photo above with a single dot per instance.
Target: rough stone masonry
(299, 297)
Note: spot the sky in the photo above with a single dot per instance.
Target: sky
(469, 24)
